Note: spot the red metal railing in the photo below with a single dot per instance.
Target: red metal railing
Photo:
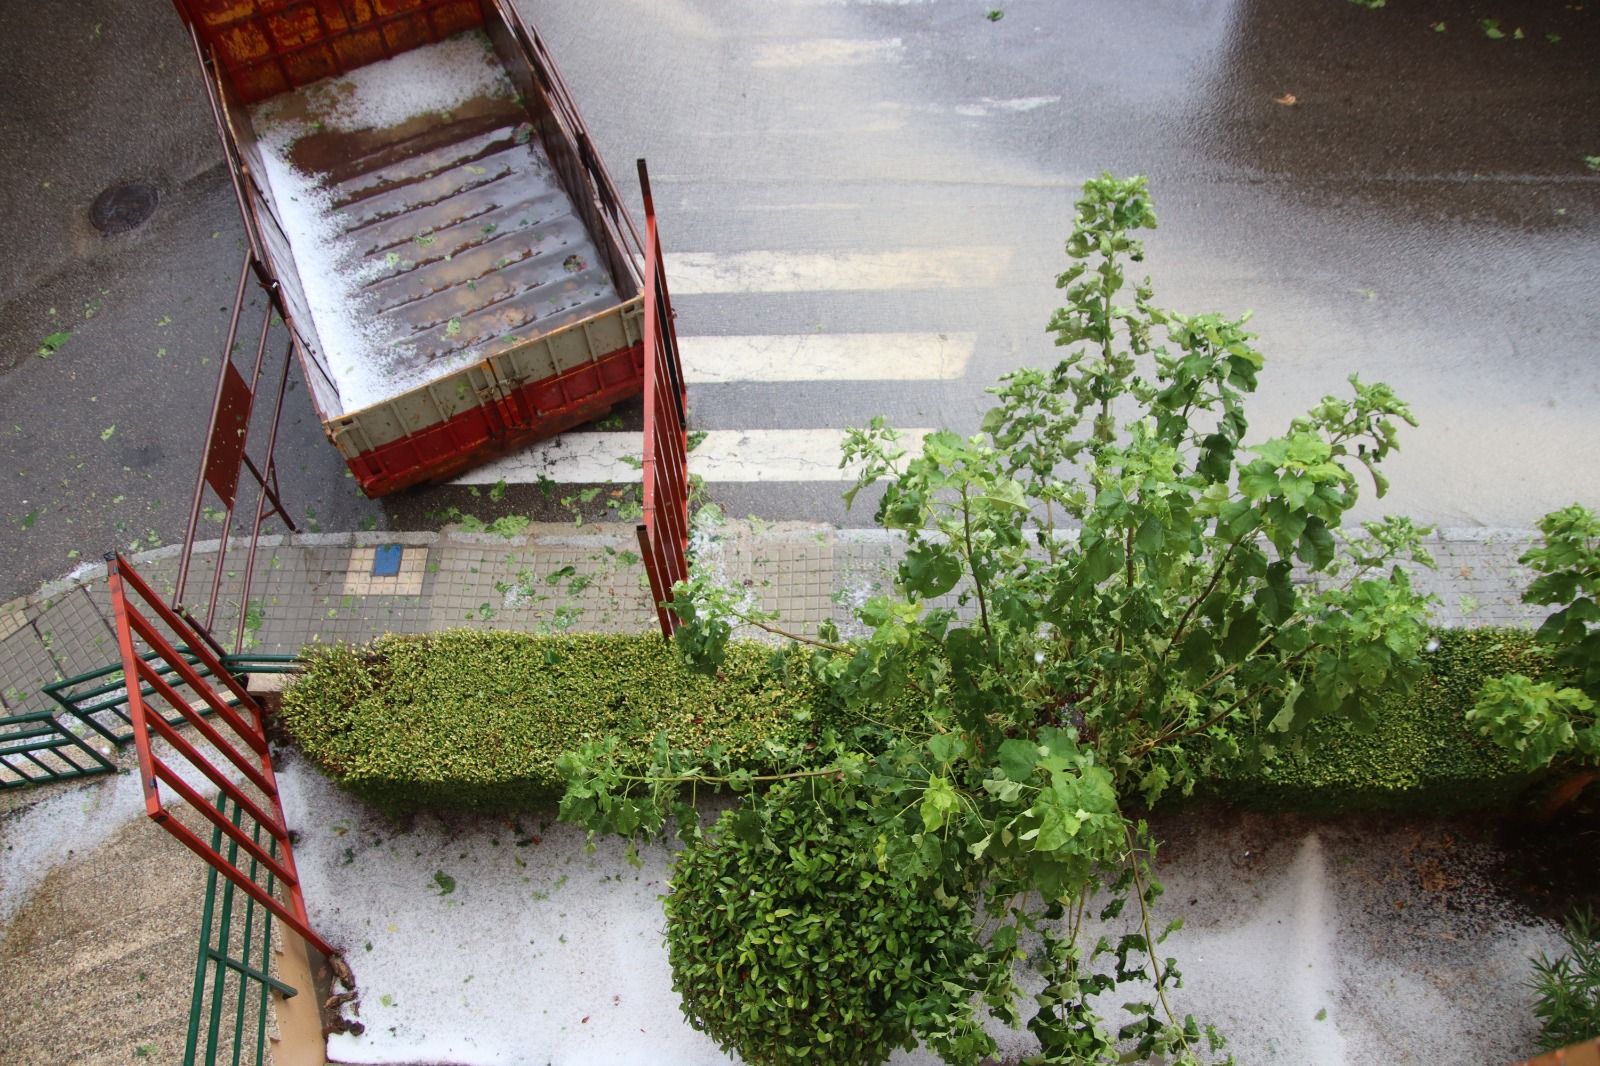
(238, 763)
(225, 458)
(664, 533)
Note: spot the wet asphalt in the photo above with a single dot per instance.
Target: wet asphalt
(1390, 199)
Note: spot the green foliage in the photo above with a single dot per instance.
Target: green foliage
(834, 958)
(1535, 720)
(1567, 988)
(1568, 564)
(467, 719)
(1205, 606)
(1421, 755)
(1554, 719)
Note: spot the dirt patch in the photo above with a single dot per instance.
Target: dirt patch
(97, 965)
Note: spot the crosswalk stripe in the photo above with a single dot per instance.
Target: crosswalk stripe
(827, 357)
(724, 455)
(828, 51)
(711, 273)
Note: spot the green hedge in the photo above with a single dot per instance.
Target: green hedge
(1422, 756)
(466, 719)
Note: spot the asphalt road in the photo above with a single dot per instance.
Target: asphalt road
(1389, 199)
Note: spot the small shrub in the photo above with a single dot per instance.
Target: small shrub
(1568, 987)
(790, 943)
(1552, 718)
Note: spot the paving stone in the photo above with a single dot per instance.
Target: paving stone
(76, 634)
(25, 667)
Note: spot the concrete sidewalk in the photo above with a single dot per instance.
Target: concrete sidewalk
(548, 578)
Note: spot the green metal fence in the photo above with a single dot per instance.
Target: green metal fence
(233, 985)
(100, 697)
(36, 749)
(244, 663)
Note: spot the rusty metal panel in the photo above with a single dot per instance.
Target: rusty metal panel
(267, 47)
(225, 452)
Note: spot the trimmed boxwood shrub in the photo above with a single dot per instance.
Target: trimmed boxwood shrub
(1421, 756)
(467, 719)
(476, 720)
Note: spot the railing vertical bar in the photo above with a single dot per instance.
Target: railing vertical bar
(197, 999)
(117, 577)
(224, 934)
(249, 927)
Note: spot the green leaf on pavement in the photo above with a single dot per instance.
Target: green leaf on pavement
(52, 344)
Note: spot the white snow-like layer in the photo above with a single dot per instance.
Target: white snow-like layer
(360, 353)
(47, 834)
(435, 77)
(1325, 946)
(38, 838)
(1271, 972)
(540, 953)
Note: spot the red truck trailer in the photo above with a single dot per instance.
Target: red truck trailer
(447, 248)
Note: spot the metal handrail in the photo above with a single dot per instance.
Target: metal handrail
(664, 532)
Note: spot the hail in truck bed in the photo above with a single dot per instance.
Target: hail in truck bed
(425, 222)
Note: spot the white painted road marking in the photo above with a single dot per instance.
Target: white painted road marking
(705, 273)
(827, 357)
(828, 51)
(724, 455)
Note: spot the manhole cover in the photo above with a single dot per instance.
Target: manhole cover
(122, 207)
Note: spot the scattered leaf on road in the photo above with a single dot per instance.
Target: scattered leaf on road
(105, 434)
(1287, 100)
(52, 344)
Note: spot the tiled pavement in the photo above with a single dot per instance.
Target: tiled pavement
(321, 588)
